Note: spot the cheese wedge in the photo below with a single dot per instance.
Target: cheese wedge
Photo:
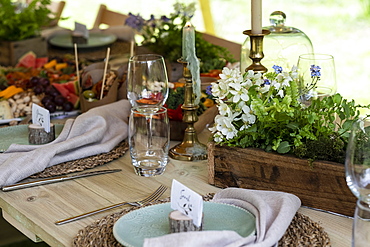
(5, 110)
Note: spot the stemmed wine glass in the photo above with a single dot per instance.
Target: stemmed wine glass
(317, 76)
(147, 82)
(358, 180)
(147, 91)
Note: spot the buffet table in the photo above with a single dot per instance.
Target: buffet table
(34, 210)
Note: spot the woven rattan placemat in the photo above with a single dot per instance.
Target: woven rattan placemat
(302, 232)
(85, 163)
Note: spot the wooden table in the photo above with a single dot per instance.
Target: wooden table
(33, 211)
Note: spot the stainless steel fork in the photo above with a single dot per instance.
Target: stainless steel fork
(154, 196)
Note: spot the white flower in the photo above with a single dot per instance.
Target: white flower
(265, 89)
(234, 90)
(281, 93)
(224, 109)
(250, 74)
(361, 124)
(284, 78)
(218, 137)
(225, 127)
(248, 116)
(230, 75)
(276, 84)
(220, 89)
(248, 83)
(240, 94)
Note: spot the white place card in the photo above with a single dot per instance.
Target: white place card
(187, 202)
(81, 29)
(41, 116)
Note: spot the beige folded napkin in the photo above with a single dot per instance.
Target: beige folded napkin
(273, 210)
(96, 131)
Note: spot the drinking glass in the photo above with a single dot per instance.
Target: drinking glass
(358, 180)
(149, 146)
(147, 82)
(317, 75)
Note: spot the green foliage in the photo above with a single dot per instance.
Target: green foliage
(176, 98)
(19, 23)
(164, 36)
(319, 131)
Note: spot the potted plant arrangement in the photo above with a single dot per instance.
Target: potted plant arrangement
(164, 36)
(20, 26)
(264, 137)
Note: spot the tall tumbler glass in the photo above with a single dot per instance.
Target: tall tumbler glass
(147, 82)
(358, 180)
(149, 146)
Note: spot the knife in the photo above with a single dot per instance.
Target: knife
(55, 179)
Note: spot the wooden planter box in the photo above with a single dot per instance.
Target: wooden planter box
(321, 186)
(11, 51)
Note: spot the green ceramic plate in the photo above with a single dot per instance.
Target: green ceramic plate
(19, 134)
(152, 221)
(95, 40)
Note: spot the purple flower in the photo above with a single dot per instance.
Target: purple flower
(315, 71)
(209, 90)
(277, 69)
(135, 21)
(267, 82)
(165, 18)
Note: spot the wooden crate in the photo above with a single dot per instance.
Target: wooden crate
(11, 51)
(321, 186)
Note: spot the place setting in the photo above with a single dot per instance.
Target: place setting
(156, 151)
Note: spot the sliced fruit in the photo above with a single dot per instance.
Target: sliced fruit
(74, 99)
(72, 86)
(41, 61)
(28, 60)
(10, 91)
(50, 64)
(60, 66)
(62, 89)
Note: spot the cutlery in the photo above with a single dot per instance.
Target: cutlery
(55, 179)
(154, 196)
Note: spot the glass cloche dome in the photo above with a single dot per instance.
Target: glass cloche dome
(281, 47)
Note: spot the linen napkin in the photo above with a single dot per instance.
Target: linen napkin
(94, 132)
(273, 210)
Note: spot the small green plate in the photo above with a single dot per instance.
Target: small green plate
(95, 40)
(152, 221)
(18, 134)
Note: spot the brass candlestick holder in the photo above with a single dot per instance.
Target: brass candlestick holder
(190, 148)
(256, 51)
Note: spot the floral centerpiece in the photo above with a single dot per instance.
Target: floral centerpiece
(267, 111)
(164, 36)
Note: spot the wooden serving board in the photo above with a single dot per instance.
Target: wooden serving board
(321, 185)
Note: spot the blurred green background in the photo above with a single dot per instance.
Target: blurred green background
(337, 27)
